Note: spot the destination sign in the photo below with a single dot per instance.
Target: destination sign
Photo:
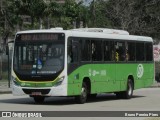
(40, 36)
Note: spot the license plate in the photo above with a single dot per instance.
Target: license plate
(36, 93)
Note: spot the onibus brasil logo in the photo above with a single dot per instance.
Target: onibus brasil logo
(140, 71)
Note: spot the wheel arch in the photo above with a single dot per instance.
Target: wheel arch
(88, 83)
(132, 79)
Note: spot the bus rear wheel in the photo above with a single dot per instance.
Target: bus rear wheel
(82, 98)
(39, 99)
(92, 96)
(128, 93)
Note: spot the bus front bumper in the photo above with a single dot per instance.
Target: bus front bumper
(45, 91)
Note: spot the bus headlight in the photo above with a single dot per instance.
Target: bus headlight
(59, 82)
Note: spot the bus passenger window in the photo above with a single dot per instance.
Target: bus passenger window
(120, 54)
(96, 50)
(148, 49)
(85, 47)
(131, 46)
(140, 52)
(112, 51)
(107, 56)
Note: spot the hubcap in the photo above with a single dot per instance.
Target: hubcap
(129, 90)
(83, 92)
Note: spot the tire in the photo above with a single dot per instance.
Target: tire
(92, 96)
(82, 98)
(128, 93)
(39, 99)
(119, 95)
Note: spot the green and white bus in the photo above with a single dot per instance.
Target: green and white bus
(80, 63)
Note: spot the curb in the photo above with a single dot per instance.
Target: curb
(5, 92)
(154, 87)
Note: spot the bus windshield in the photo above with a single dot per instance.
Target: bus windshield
(42, 59)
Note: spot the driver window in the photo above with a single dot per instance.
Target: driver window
(72, 56)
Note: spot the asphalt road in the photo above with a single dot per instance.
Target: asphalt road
(146, 99)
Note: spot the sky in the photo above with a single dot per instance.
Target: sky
(86, 2)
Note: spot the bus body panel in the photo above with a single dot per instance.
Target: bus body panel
(103, 77)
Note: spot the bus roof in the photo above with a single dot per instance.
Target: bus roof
(93, 33)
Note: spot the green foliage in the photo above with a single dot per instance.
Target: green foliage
(66, 22)
(140, 17)
(55, 9)
(98, 15)
(70, 9)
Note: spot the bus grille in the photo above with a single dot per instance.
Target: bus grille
(29, 91)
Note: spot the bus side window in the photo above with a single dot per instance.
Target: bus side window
(109, 51)
(131, 51)
(148, 49)
(96, 50)
(120, 54)
(85, 50)
(112, 51)
(140, 51)
(75, 51)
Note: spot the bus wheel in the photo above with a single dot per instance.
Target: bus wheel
(92, 96)
(82, 98)
(128, 93)
(39, 99)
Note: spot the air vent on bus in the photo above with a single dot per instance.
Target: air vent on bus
(103, 30)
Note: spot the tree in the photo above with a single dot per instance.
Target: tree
(82, 15)
(54, 13)
(152, 19)
(137, 17)
(71, 12)
(35, 9)
(141, 17)
(8, 20)
(121, 13)
(97, 14)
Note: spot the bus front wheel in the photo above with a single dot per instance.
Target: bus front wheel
(82, 98)
(39, 99)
